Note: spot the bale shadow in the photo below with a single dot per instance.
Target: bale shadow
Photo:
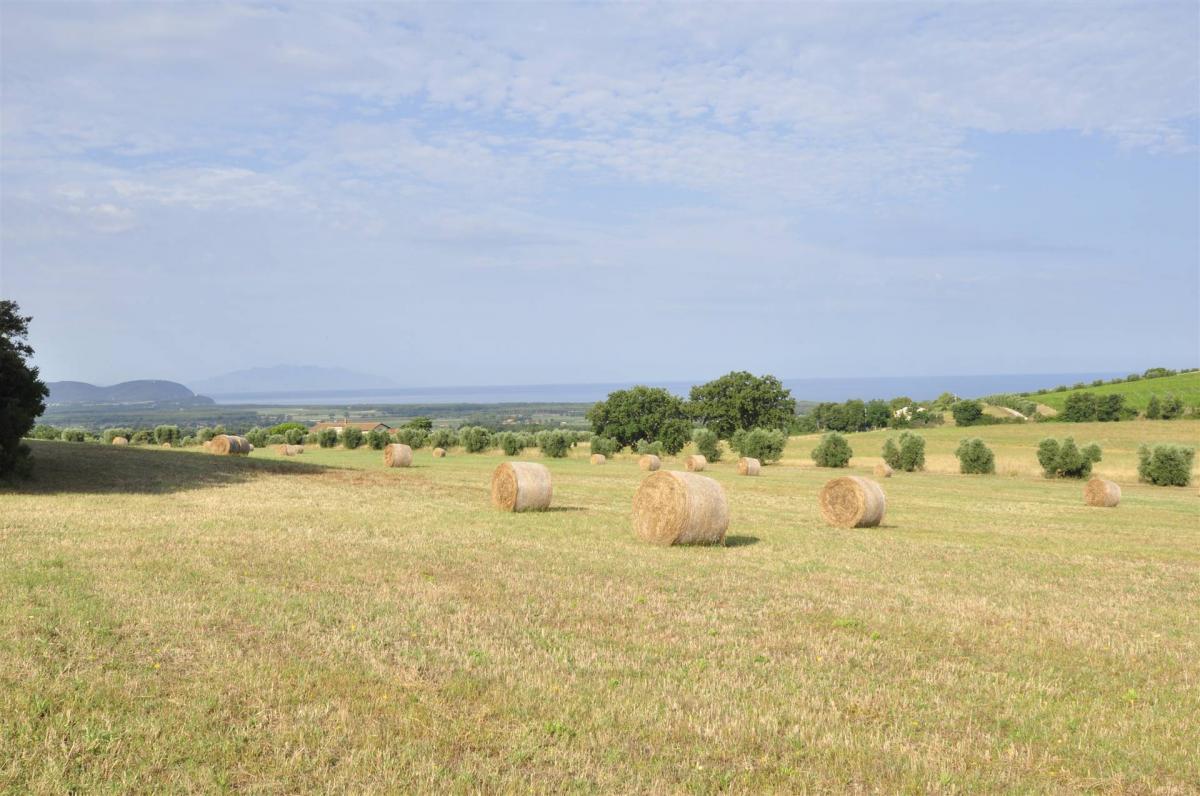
(741, 541)
(84, 468)
(563, 508)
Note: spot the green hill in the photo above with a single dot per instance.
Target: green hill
(1137, 393)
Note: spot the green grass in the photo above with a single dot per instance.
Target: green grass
(1137, 393)
(172, 621)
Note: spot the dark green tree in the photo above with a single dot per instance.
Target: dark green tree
(1081, 407)
(878, 414)
(636, 414)
(22, 393)
(1110, 408)
(1153, 409)
(674, 435)
(740, 401)
(967, 413)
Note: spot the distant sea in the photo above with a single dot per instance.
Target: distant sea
(831, 389)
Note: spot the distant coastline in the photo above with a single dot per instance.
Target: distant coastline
(823, 389)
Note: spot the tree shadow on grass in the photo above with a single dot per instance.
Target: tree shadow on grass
(83, 468)
(740, 541)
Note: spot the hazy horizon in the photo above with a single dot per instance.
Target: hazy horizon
(516, 194)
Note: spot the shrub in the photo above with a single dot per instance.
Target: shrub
(328, 438)
(554, 444)
(43, 431)
(1172, 407)
(169, 434)
(294, 436)
(414, 437)
(187, 441)
(1081, 407)
(204, 434)
(1165, 465)
(255, 436)
(967, 413)
(708, 444)
(276, 439)
(74, 435)
(351, 437)
(764, 444)
(312, 438)
(674, 436)
(1153, 408)
(141, 437)
(475, 439)
(284, 428)
(975, 458)
(833, 451)
(891, 453)
(443, 438)
(377, 439)
(1065, 460)
(511, 443)
(646, 447)
(606, 446)
(112, 433)
(1111, 408)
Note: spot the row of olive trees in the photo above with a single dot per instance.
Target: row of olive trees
(1162, 465)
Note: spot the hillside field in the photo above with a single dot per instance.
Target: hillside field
(172, 621)
(1137, 393)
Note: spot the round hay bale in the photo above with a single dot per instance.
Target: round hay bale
(397, 455)
(521, 486)
(165, 445)
(695, 463)
(853, 502)
(680, 508)
(1102, 493)
(291, 450)
(749, 466)
(439, 453)
(883, 470)
(598, 458)
(229, 445)
(120, 441)
(650, 462)
(207, 445)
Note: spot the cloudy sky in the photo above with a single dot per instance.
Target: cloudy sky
(454, 194)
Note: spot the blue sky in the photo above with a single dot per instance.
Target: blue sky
(453, 194)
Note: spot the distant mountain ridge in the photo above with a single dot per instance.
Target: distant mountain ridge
(290, 378)
(127, 392)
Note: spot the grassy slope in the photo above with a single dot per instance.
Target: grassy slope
(1137, 393)
(173, 621)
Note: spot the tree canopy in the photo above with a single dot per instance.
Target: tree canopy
(740, 401)
(638, 413)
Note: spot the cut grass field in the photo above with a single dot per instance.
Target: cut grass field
(1137, 393)
(172, 621)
